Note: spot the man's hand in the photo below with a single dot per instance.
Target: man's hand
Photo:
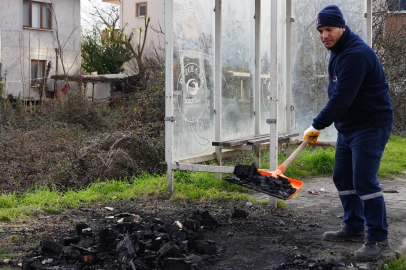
(311, 132)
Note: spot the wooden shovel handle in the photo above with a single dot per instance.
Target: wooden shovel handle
(289, 160)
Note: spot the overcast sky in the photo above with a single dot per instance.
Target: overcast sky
(86, 7)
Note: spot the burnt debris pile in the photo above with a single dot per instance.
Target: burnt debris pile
(128, 242)
(249, 176)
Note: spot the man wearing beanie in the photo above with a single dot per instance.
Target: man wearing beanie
(360, 108)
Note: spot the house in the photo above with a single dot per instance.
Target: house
(132, 15)
(396, 22)
(32, 34)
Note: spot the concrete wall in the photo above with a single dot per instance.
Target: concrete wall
(102, 92)
(19, 45)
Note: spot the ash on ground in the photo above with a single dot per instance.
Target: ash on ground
(303, 262)
(128, 242)
(249, 176)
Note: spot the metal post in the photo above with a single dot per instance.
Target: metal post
(368, 16)
(56, 69)
(169, 124)
(217, 81)
(257, 78)
(288, 72)
(93, 83)
(85, 89)
(273, 149)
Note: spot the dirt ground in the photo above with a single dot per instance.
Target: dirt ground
(268, 239)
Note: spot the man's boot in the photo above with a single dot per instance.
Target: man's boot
(344, 235)
(371, 250)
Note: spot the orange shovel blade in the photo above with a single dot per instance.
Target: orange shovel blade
(295, 183)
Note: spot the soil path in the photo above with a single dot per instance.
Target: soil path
(267, 239)
(325, 209)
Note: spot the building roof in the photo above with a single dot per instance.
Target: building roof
(112, 1)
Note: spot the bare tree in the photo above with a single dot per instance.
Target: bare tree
(389, 39)
(103, 16)
(62, 42)
(106, 18)
(138, 48)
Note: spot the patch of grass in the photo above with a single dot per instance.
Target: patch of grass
(281, 204)
(53, 210)
(317, 161)
(4, 255)
(195, 186)
(8, 200)
(200, 186)
(38, 235)
(312, 161)
(393, 161)
(206, 187)
(13, 239)
(398, 264)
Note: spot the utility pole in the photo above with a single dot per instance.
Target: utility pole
(56, 69)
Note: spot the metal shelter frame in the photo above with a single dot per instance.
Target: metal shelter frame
(273, 138)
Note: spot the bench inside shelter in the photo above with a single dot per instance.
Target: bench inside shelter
(252, 143)
(254, 140)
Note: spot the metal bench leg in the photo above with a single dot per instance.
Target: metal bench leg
(288, 148)
(219, 161)
(257, 149)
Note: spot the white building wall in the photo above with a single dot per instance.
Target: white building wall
(155, 10)
(128, 19)
(19, 45)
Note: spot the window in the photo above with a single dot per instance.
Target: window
(396, 5)
(141, 9)
(37, 15)
(37, 71)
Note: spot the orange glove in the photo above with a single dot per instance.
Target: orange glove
(311, 132)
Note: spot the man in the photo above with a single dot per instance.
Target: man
(360, 107)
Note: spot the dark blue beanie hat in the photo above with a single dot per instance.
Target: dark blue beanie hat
(330, 16)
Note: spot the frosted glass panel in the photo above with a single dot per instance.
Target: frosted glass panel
(310, 59)
(193, 78)
(281, 50)
(265, 91)
(265, 65)
(26, 8)
(36, 15)
(238, 61)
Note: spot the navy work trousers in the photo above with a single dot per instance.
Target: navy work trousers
(357, 159)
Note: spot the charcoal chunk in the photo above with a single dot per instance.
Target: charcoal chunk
(170, 250)
(51, 246)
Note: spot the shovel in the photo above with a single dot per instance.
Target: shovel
(282, 168)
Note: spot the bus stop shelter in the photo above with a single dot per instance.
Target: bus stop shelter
(245, 70)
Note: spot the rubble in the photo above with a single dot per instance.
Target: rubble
(238, 213)
(129, 242)
(250, 177)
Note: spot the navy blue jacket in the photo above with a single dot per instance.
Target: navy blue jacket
(358, 91)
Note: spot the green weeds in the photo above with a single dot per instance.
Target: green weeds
(4, 255)
(398, 264)
(393, 160)
(196, 186)
(320, 161)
